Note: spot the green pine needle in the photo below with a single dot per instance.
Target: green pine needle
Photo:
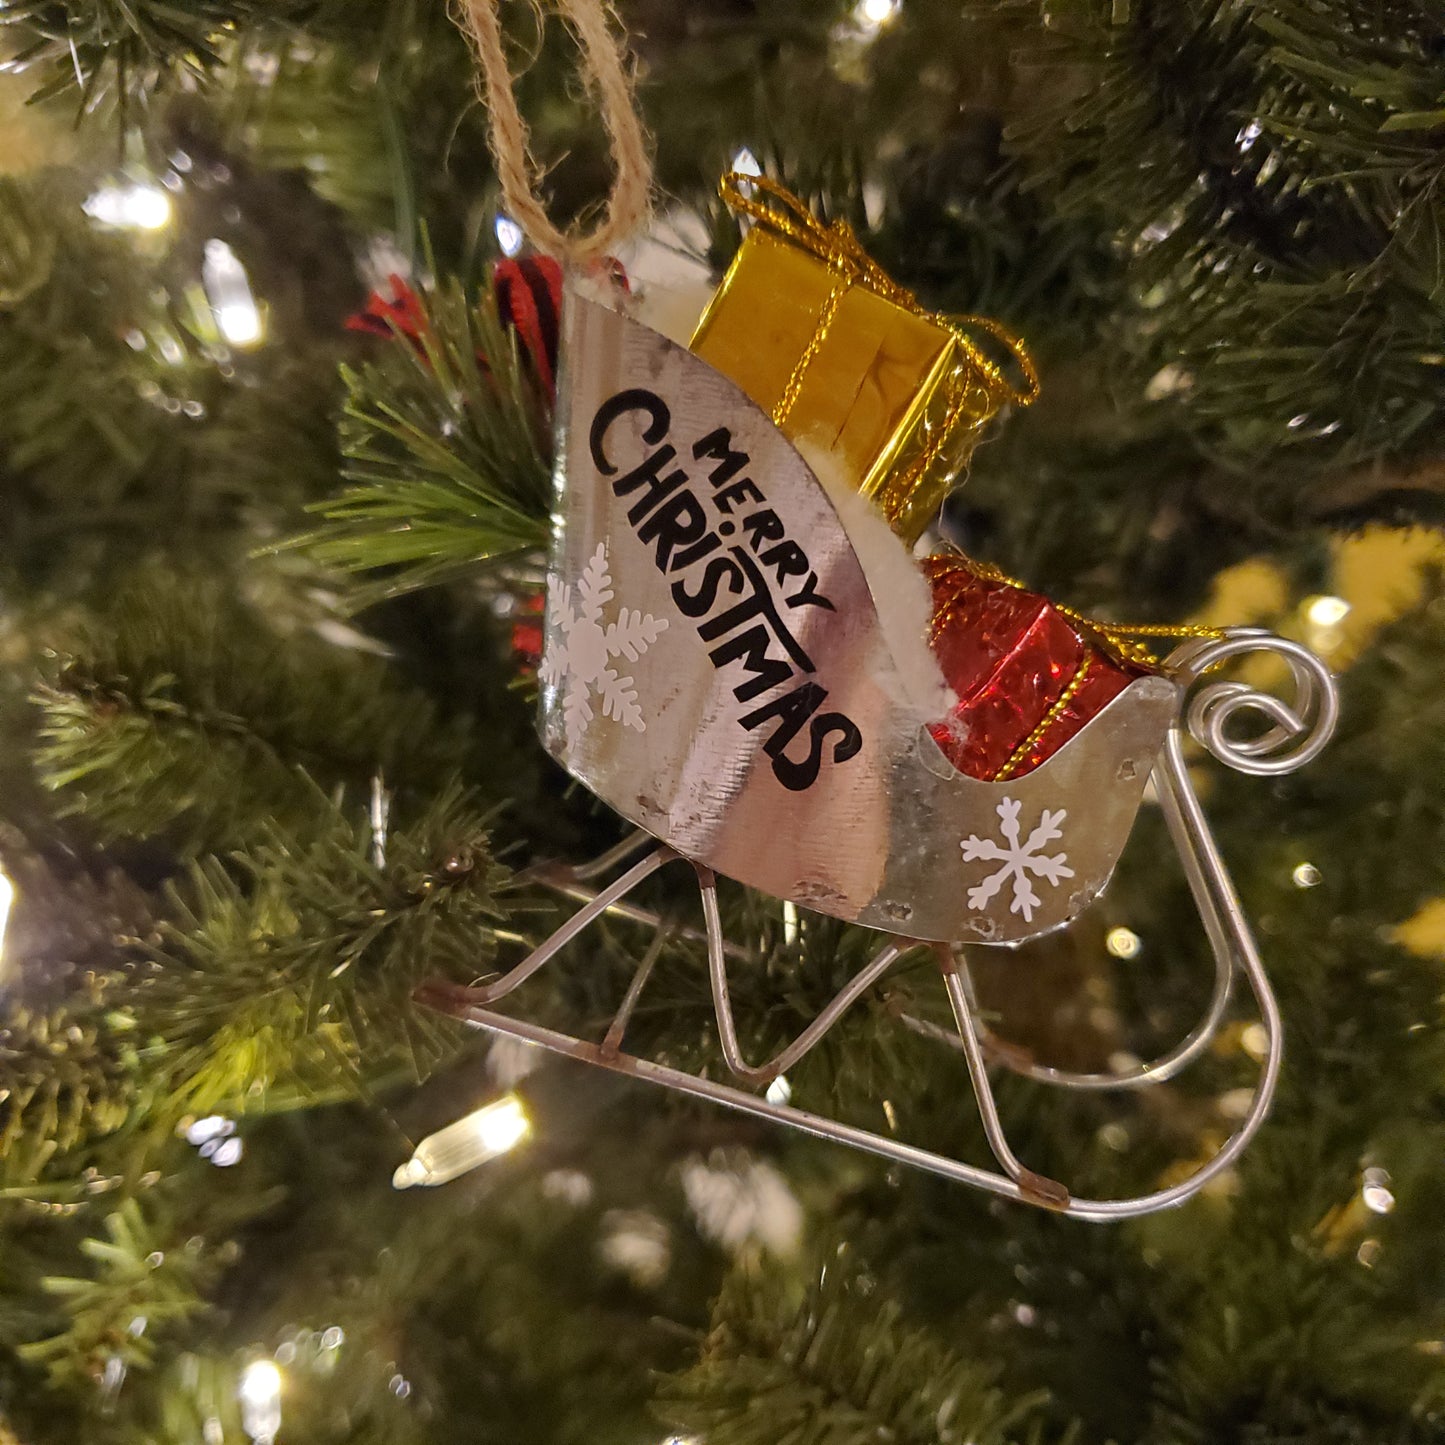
(447, 449)
(182, 684)
(124, 50)
(293, 967)
(66, 1077)
(117, 1315)
(835, 1366)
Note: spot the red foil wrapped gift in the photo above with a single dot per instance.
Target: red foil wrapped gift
(527, 627)
(1027, 677)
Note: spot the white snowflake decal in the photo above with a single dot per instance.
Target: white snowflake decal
(582, 663)
(1019, 859)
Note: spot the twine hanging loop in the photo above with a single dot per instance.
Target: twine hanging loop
(595, 29)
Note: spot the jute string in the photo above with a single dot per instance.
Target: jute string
(606, 73)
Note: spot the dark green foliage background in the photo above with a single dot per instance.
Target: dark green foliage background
(243, 588)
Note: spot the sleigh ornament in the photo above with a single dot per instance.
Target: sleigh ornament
(715, 670)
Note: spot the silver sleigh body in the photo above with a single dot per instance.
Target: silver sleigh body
(715, 669)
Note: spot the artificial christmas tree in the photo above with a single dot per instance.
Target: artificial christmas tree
(271, 765)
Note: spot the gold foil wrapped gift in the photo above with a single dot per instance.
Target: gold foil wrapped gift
(817, 334)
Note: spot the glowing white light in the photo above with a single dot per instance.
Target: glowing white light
(228, 1153)
(745, 163)
(260, 1383)
(636, 1244)
(239, 324)
(7, 897)
(113, 1377)
(1327, 611)
(571, 1186)
(479, 1136)
(213, 1126)
(1377, 1198)
(1306, 875)
(872, 15)
(259, 1393)
(509, 235)
(779, 1091)
(1376, 1191)
(790, 921)
(1123, 943)
(228, 289)
(130, 207)
(502, 1126)
(1248, 135)
(1254, 1040)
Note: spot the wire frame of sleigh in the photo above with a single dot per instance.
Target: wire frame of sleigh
(773, 743)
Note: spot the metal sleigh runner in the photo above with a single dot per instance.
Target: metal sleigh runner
(719, 669)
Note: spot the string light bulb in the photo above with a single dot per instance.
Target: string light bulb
(134, 207)
(7, 897)
(1324, 618)
(745, 163)
(259, 1395)
(484, 1134)
(1327, 611)
(509, 234)
(1123, 943)
(228, 289)
(872, 15)
(1375, 1191)
(791, 922)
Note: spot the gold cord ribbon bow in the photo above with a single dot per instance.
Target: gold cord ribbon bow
(836, 245)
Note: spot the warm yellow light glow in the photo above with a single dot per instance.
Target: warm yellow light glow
(1123, 943)
(1306, 875)
(875, 14)
(228, 289)
(240, 324)
(1375, 1191)
(260, 1383)
(130, 207)
(1327, 611)
(259, 1395)
(1255, 1040)
(790, 922)
(503, 1125)
(7, 897)
(481, 1135)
